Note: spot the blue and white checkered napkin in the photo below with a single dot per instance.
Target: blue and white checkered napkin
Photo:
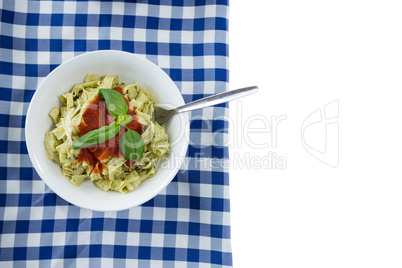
(188, 224)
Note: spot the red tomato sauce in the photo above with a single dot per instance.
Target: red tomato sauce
(95, 116)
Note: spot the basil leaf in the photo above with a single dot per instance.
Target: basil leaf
(124, 119)
(132, 145)
(97, 136)
(115, 102)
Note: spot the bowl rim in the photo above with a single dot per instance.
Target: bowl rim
(36, 163)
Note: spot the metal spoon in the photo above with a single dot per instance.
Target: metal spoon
(161, 115)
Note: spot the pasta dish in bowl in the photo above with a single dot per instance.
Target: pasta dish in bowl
(92, 116)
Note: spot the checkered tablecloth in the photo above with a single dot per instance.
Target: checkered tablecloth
(188, 224)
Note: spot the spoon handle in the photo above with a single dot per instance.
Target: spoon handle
(217, 99)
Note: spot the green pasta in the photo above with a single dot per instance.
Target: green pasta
(115, 174)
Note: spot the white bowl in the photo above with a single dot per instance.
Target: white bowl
(130, 68)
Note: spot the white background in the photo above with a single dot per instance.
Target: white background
(304, 55)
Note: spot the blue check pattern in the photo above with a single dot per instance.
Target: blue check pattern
(188, 224)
